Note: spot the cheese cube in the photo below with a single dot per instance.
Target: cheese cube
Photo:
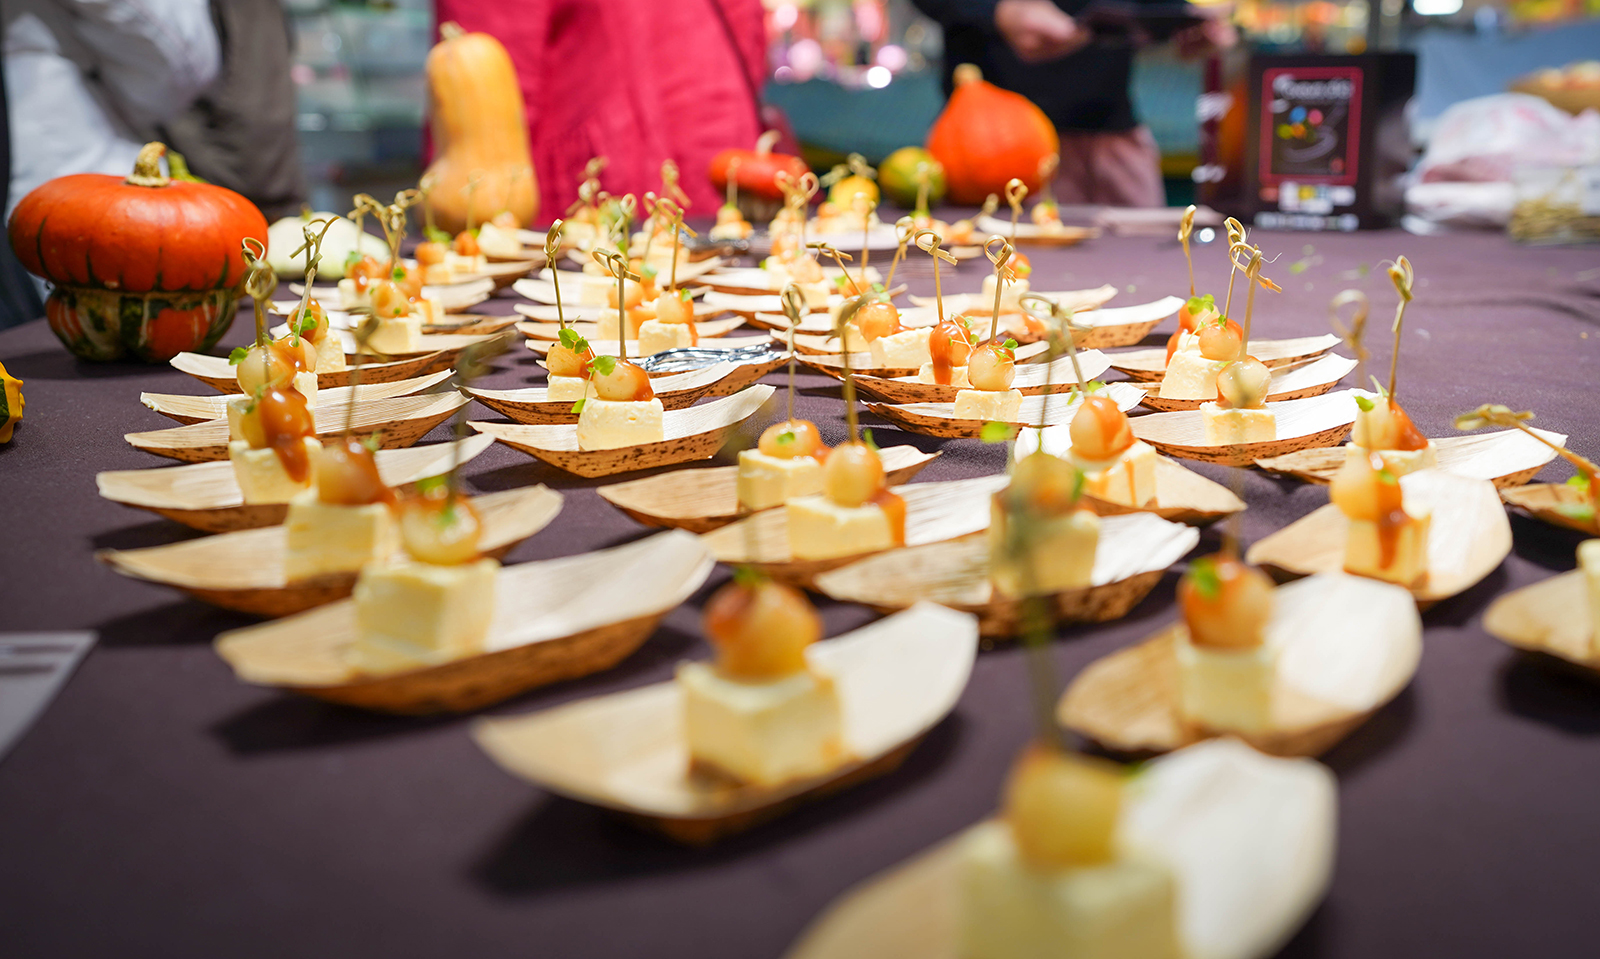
(411, 614)
(613, 424)
(1003, 406)
(815, 294)
(437, 274)
(655, 336)
(429, 310)
(764, 733)
(1226, 690)
(607, 324)
(572, 388)
(907, 349)
(1051, 555)
(1408, 554)
(1229, 426)
(350, 298)
(458, 265)
(1124, 909)
(1589, 563)
(819, 528)
(260, 473)
(958, 376)
(330, 353)
(1191, 376)
(771, 480)
(1010, 296)
(1188, 342)
(324, 538)
(1128, 478)
(497, 242)
(595, 291)
(661, 256)
(1399, 462)
(397, 334)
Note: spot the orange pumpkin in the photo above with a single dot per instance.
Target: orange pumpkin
(148, 265)
(143, 234)
(480, 131)
(986, 136)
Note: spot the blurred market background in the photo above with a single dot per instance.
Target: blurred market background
(862, 75)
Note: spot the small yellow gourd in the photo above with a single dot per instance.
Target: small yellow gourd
(11, 404)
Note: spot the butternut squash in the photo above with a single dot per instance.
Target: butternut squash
(480, 133)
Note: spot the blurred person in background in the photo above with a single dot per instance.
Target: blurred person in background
(635, 81)
(88, 82)
(1040, 49)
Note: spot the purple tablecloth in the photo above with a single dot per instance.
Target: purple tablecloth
(162, 808)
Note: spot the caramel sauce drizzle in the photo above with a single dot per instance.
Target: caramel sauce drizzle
(894, 509)
(286, 422)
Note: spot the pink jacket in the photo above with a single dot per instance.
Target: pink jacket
(637, 81)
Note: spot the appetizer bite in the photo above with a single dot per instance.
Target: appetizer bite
(1576, 503)
(761, 713)
(1042, 538)
(1387, 540)
(1382, 426)
(731, 224)
(991, 367)
(855, 512)
(787, 462)
(672, 325)
(1048, 877)
(344, 521)
(1116, 467)
(1239, 413)
(1226, 666)
(848, 185)
(622, 409)
(389, 291)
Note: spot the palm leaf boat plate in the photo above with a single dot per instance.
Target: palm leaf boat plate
(553, 620)
(702, 500)
(243, 570)
(1506, 458)
(691, 434)
(1134, 551)
(205, 496)
(398, 422)
(1468, 537)
(1249, 840)
(1346, 646)
(896, 679)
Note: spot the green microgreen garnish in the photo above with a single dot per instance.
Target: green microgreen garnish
(1367, 406)
(786, 437)
(436, 235)
(1204, 577)
(238, 355)
(578, 406)
(1198, 304)
(995, 431)
(604, 365)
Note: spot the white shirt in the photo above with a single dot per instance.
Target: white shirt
(88, 81)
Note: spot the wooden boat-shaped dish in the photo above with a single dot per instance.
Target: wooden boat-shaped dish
(1467, 538)
(1094, 329)
(217, 373)
(1031, 379)
(1077, 301)
(832, 364)
(1551, 618)
(1032, 233)
(243, 570)
(188, 409)
(896, 678)
(935, 514)
(1150, 364)
(1134, 551)
(398, 421)
(1314, 378)
(533, 405)
(696, 433)
(1316, 421)
(754, 281)
(542, 290)
(1504, 458)
(1555, 503)
(473, 323)
(1346, 646)
(205, 496)
(939, 419)
(550, 333)
(1248, 839)
(456, 297)
(1182, 495)
(701, 500)
(427, 343)
(553, 620)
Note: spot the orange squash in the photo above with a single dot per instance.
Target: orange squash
(986, 136)
(479, 131)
